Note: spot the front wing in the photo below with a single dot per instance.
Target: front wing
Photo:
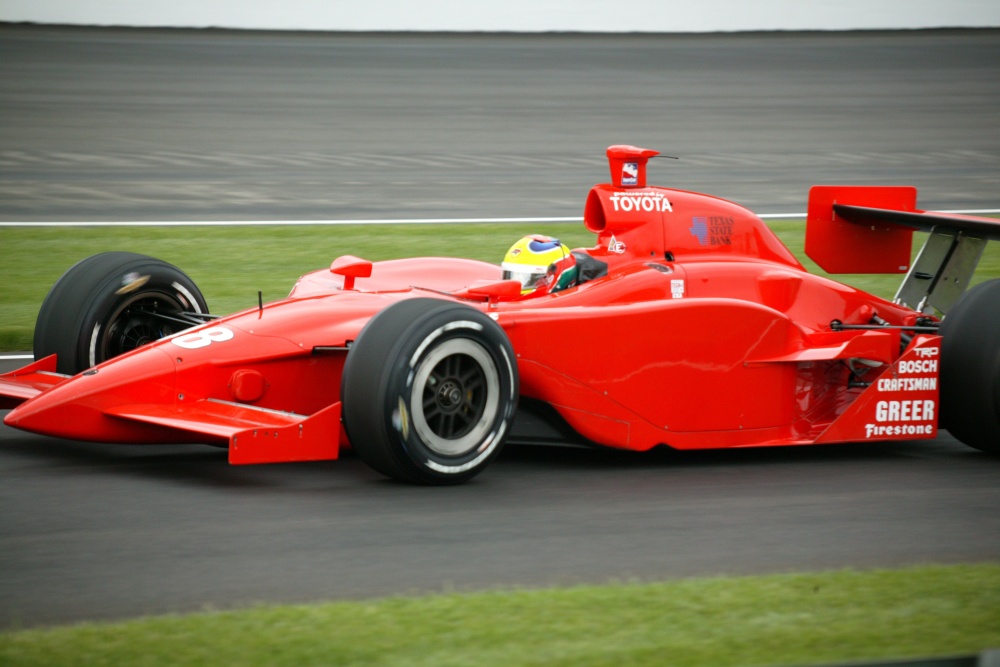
(253, 435)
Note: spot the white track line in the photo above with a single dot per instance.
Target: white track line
(397, 221)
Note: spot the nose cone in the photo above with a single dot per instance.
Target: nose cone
(75, 408)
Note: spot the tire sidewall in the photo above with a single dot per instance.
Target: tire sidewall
(77, 309)
(418, 345)
(970, 368)
(377, 376)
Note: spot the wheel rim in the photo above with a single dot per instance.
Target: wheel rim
(454, 398)
(132, 324)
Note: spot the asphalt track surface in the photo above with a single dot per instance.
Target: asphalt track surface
(182, 125)
(120, 125)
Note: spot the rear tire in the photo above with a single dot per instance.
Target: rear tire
(429, 391)
(100, 308)
(970, 368)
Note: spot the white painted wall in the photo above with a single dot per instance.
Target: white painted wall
(514, 15)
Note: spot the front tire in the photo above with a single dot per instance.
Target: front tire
(429, 391)
(970, 368)
(109, 304)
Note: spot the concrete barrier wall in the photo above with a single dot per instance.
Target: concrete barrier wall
(515, 15)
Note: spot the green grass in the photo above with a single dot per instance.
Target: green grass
(230, 264)
(767, 620)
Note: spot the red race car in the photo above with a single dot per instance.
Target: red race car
(687, 325)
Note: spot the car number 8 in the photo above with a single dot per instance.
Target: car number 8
(203, 338)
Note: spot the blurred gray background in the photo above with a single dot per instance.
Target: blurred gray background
(115, 124)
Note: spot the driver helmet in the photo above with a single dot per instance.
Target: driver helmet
(529, 259)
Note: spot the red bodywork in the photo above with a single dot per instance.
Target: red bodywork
(706, 332)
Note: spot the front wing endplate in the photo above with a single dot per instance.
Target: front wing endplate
(254, 435)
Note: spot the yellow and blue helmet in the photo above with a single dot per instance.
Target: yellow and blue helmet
(529, 260)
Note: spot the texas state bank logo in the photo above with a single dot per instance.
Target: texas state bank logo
(712, 230)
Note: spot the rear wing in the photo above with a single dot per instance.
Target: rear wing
(869, 229)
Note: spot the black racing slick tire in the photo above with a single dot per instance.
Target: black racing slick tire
(109, 304)
(970, 368)
(429, 391)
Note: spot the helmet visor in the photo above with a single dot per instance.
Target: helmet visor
(528, 276)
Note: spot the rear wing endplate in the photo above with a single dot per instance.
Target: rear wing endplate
(869, 229)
